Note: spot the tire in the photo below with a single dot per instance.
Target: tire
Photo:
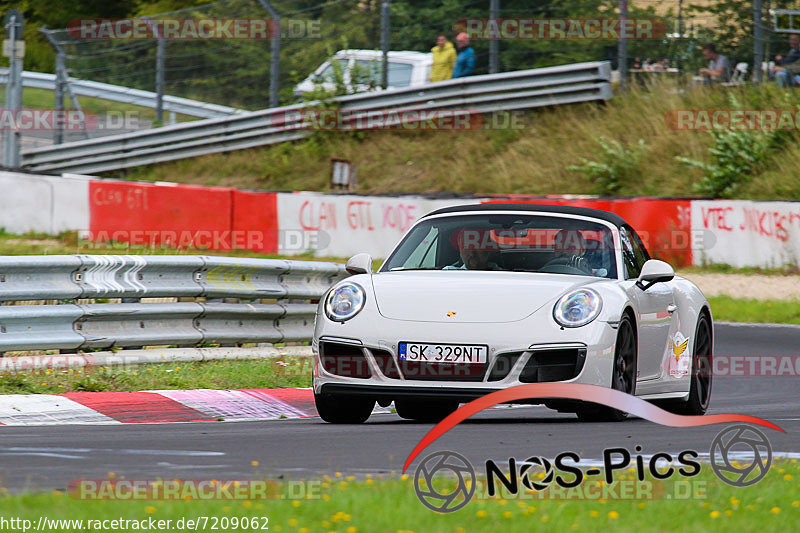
(623, 377)
(425, 410)
(338, 409)
(702, 374)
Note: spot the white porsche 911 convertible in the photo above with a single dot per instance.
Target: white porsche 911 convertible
(478, 298)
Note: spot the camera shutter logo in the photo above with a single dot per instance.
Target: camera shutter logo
(428, 489)
(525, 473)
(745, 440)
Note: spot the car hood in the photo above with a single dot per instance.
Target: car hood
(463, 296)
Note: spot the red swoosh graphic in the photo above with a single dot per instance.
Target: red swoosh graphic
(575, 391)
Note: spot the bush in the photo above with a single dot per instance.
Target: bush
(617, 167)
(735, 157)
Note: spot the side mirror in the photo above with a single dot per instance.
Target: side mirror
(359, 264)
(654, 271)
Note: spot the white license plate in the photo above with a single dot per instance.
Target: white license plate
(442, 353)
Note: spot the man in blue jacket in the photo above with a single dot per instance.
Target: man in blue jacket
(787, 68)
(465, 61)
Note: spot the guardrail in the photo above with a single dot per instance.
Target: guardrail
(127, 95)
(525, 89)
(200, 286)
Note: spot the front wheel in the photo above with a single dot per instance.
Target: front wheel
(338, 409)
(700, 389)
(623, 376)
(425, 411)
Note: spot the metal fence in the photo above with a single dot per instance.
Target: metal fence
(126, 95)
(526, 89)
(209, 300)
(261, 73)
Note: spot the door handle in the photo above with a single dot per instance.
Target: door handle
(671, 308)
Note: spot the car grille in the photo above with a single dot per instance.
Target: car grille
(442, 371)
(386, 363)
(559, 364)
(345, 360)
(503, 364)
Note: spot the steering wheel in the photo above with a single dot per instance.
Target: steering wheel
(574, 264)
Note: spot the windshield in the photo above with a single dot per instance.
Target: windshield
(508, 242)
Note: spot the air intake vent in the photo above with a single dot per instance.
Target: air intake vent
(345, 360)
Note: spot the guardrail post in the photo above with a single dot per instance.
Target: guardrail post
(14, 26)
(758, 40)
(622, 47)
(275, 54)
(160, 60)
(61, 81)
(494, 44)
(385, 29)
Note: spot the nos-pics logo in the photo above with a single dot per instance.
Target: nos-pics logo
(445, 481)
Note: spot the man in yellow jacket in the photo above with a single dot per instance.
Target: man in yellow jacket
(444, 58)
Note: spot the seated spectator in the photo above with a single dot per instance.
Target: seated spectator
(465, 61)
(787, 69)
(719, 68)
(444, 58)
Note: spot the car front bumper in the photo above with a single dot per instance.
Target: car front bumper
(360, 357)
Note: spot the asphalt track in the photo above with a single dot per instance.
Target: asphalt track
(48, 457)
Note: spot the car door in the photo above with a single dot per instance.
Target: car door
(655, 308)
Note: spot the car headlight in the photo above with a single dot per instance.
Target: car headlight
(344, 302)
(577, 308)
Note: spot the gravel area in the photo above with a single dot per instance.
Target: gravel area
(755, 286)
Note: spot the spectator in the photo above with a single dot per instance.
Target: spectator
(719, 68)
(465, 61)
(444, 58)
(788, 68)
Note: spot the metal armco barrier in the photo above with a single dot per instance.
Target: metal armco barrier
(525, 89)
(126, 95)
(72, 325)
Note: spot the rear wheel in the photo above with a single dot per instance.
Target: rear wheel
(623, 376)
(338, 409)
(700, 389)
(425, 410)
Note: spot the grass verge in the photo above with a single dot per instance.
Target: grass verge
(727, 309)
(69, 243)
(253, 374)
(374, 504)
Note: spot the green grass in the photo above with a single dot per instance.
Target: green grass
(222, 374)
(377, 504)
(535, 159)
(727, 309)
(69, 243)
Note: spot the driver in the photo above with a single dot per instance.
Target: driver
(473, 257)
(570, 248)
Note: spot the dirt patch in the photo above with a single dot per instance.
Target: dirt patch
(755, 286)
